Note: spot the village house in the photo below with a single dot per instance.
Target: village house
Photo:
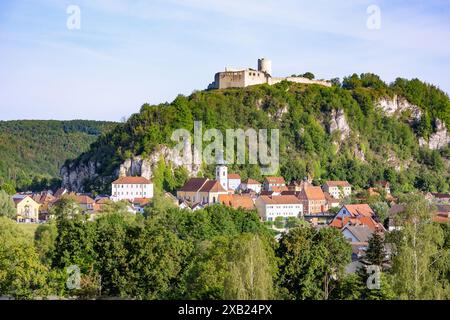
(128, 188)
(313, 200)
(357, 234)
(251, 184)
(86, 203)
(271, 207)
(331, 201)
(234, 181)
(274, 184)
(383, 185)
(237, 201)
(27, 210)
(356, 214)
(298, 186)
(338, 189)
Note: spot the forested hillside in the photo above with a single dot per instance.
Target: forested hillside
(32, 151)
(341, 132)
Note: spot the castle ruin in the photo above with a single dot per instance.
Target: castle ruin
(240, 78)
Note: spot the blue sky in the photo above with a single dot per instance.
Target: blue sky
(131, 52)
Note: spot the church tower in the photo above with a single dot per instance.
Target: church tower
(222, 175)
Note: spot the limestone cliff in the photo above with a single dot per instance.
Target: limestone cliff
(74, 176)
(397, 105)
(339, 123)
(439, 139)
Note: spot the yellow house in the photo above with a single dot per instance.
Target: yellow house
(27, 209)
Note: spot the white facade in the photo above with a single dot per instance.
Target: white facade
(222, 176)
(130, 191)
(270, 211)
(234, 184)
(251, 186)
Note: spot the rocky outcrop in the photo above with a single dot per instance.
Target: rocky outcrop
(398, 105)
(438, 139)
(75, 175)
(339, 123)
(138, 166)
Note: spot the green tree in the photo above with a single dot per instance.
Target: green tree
(250, 270)
(308, 75)
(7, 207)
(22, 275)
(375, 253)
(419, 252)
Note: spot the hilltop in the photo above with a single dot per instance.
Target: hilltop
(360, 130)
(32, 151)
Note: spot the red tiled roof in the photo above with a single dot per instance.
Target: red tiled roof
(340, 222)
(359, 210)
(280, 199)
(337, 183)
(234, 176)
(313, 193)
(132, 180)
(236, 201)
(141, 201)
(251, 181)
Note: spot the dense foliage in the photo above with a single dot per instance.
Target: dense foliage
(215, 253)
(32, 151)
(378, 146)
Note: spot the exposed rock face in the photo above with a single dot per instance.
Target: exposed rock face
(439, 139)
(138, 166)
(75, 176)
(398, 105)
(338, 122)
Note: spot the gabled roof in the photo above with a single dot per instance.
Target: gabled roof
(193, 184)
(60, 192)
(340, 222)
(361, 232)
(280, 199)
(212, 186)
(132, 180)
(275, 180)
(337, 183)
(314, 193)
(356, 210)
(234, 176)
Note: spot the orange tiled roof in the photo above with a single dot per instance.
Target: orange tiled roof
(340, 222)
(132, 180)
(289, 199)
(359, 210)
(234, 176)
(141, 201)
(314, 193)
(236, 201)
(337, 183)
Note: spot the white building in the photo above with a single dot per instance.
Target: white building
(338, 189)
(129, 188)
(271, 207)
(234, 181)
(251, 184)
